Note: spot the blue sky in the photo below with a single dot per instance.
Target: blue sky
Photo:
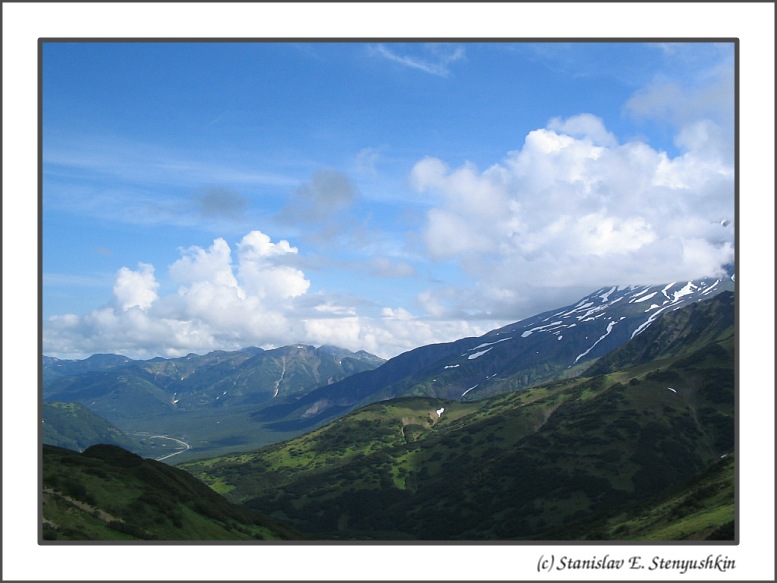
(376, 196)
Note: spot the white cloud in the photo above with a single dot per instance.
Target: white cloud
(261, 275)
(257, 299)
(135, 288)
(584, 126)
(197, 264)
(574, 209)
(395, 331)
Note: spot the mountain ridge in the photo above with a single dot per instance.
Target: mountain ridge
(553, 344)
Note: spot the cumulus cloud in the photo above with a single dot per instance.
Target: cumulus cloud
(231, 296)
(574, 209)
(260, 272)
(584, 126)
(135, 288)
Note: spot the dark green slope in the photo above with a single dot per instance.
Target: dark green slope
(511, 467)
(74, 426)
(690, 328)
(700, 509)
(110, 494)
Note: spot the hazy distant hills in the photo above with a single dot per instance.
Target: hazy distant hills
(124, 388)
(110, 494)
(53, 368)
(623, 453)
(205, 400)
(555, 344)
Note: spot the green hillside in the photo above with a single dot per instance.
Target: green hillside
(110, 494)
(74, 426)
(699, 509)
(525, 465)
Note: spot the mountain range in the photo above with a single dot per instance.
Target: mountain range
(233, 401)
(204, 401)
(609, 419)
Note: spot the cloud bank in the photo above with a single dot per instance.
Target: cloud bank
(229, 298)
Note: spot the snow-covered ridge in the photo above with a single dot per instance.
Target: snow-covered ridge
(594, 325)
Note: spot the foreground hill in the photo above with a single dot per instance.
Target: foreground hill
(110, 494)
(524, 465)
(700, 509)
(74, 426)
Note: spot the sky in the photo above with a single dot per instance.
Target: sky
(376, 196)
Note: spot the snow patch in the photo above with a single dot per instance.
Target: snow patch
(647, 297)
(641, 328)
(528, 333)
(606, 296)
(478, 354)
(578, 307)
(636, 295)
(439, 412)
(451, 366)
(468, 390)
(610, 326)
(671, 389)
(709, 289)
(688, 289)
(491, 343)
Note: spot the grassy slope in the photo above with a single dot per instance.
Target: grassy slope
(74, 426)
(699, 509)
(510, 467)
(109, 494)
